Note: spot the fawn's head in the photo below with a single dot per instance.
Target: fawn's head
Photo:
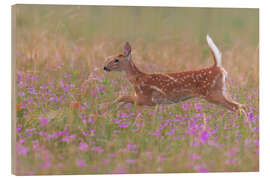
(121, 61)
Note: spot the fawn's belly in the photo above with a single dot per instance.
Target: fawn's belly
(153, 95)
(170, 98)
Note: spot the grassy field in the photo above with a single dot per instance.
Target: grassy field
(61, 89)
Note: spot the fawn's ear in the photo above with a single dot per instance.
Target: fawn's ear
(127, 50)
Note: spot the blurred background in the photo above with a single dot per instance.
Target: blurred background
(151, 24)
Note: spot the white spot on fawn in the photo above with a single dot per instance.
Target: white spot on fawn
(224, 75)
(213, 83)
(158, 89)
(170, 77)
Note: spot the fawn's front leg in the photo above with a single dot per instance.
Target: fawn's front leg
(124, 100)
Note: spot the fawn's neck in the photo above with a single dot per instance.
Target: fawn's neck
(132, 72)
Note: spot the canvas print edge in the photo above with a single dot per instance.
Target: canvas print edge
(13, 89)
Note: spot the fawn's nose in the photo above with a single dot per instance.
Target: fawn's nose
(106, 69)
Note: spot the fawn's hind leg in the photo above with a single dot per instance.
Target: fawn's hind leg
(219, 98)
(223, 99)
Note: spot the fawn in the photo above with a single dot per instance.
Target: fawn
(153, 89)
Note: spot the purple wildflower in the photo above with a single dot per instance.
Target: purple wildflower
(117, 121)
(164, 124)
(20, 85)
(170, 133)
(32, 91)
(21, 94)
(67, 76)
(156, 133)
(98, 149)
(127, 106)
(201, 169)
(28, 100)
(198, 107)
(178, 119)
(81, 163)
(112, 155)
(176, 138)
(194, 156)
(123, 115)
(235, 97)
(101, 89)
(92, 132)
(131, 161)
(161, 158)
(43, 133)
(68, 138)
(94, 93)
(30, 129)
(44, 121)
(85, 133)
(18, 53)
(44, 86)
(204, 136)
(106, 161)
(186, 106)
(115, 132)
(19, 128)
(251, 117)
(131, 146)
(140, 124)
(21, 150)
(195, 143)
(47, 164)
(83, 146)
(120, 171)
(29, 133)
(36, 146)
(53, 99)
(124, 125)
(22, 140)
(90, 120)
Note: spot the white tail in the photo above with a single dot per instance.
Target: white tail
(215, 51)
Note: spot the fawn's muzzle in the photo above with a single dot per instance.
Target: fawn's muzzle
(106, 69)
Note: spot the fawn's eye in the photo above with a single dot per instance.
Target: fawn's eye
(116, 61)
